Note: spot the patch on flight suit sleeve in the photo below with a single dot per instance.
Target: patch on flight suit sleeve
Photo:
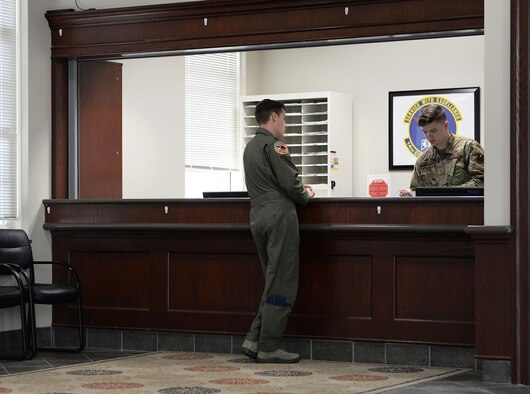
(281, 148)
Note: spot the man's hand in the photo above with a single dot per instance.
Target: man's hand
(405, 193)
(309, 190)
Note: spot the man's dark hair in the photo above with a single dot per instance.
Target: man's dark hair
(431, 113)
(265, 108)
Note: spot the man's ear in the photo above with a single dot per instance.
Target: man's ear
(274, 116)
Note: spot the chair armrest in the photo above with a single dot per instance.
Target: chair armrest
(60, 263)
(12, 269)
(20, 270)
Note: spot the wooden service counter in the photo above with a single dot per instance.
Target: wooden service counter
(393, 269)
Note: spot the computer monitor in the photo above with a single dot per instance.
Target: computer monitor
(449, 191)
(227, 194)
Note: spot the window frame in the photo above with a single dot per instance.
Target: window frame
(14, 221)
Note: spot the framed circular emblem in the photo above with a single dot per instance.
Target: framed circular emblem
(406, 139)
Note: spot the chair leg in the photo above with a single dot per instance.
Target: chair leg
(25, 333)
(81, 334)
(27, 323)
(26, 352)
(82, 339)
(31, 331)
(32, 328)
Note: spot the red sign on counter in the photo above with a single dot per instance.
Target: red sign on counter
(378, 188)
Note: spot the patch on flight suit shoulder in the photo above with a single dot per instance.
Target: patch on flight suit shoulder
(281, 148)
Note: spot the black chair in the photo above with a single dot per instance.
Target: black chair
(15, 250)
(12, 296)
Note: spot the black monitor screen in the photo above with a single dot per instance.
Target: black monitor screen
(449, 191)
(227, 194)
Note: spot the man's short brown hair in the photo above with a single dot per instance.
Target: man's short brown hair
(265, 108)
(431, 113)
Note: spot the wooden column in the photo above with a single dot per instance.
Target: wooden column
(519, 181)
(59, 163)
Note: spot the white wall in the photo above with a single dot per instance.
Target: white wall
(153, 127)
(497, 112)
(35, 130)
(368, 72)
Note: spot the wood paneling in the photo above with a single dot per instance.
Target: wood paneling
(208, 283)
(121, 290)
(336, 287)
(147, 211)
(519, 338)
(100, 134)
(431, 286)
(59, 143)
(205, 276)
(210, 24)
(447, 211)
(495, 309)
(346, 289)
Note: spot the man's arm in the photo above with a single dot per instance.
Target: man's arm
(287, 176)
(475, 166)
(415, 180)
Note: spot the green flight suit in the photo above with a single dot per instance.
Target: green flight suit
(461, 163)
(274, 188)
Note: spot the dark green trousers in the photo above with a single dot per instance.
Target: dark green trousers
(274, 226)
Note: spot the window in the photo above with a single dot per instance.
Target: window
(8, 110)
(212, 143)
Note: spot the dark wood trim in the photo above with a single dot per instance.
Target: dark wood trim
(336, 212)
(519, 184)
(171, 27)
(366, 229)
(59, 165)
(494, 295)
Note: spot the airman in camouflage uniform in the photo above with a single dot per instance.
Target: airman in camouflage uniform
(451, 160)
(274, 188)
(460, 164)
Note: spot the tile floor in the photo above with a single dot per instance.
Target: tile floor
(468, 382)
(45, 360)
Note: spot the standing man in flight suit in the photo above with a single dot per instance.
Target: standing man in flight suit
(274, 189)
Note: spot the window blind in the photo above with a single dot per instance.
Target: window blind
(8, 110)
(211, 119)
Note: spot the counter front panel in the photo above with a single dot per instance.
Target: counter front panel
(197, 270)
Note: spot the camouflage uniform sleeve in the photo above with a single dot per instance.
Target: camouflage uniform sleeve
(475, 165)
(415, 180)
(287, 176)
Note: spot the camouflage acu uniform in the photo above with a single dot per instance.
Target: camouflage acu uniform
(274, 188)
(461, 163)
